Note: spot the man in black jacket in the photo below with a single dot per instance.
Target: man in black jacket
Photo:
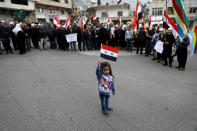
(43, 37)
(167, 52)
(51, 36)
(77, 30)
(35, 36)
(141, 40)
(103, 35)
(6, 38)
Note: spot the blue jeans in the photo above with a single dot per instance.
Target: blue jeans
(129, 44)
(89, 44)
(73, 45)
(104, 102)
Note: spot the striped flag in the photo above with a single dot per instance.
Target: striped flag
(68, 22)
(144, 24)
(137, 11)
(180, 16)
(158, 24)
(108, 52)
(119, 21)
(150, 26)
(171, 24)
(82, 24)
(56, 21)
(107, 15)
(94, 17)
(192, 36)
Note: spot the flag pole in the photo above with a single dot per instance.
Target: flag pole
(165, 24)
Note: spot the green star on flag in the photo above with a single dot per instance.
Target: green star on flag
(108, 52)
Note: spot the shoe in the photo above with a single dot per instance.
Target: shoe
(165, 64)
(110, 109)
(105, 113)
(177, 66)
(181, 68)
(170, 66)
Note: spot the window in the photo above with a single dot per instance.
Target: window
(103, 14)
(40, 10)
(52, 11)
(120, 12)
(157, 11)
(170, 10)
(193, 10)
(66, 1)
(55, 0)
(21, 2)
(62, 12)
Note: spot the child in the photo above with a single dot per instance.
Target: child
(105, 85)
(177, 44)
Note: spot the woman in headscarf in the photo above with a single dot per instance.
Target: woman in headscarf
(20, 39)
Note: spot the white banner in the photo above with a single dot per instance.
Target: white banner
(159, 46)
(71, 37)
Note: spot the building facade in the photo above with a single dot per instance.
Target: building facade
(157, 8)
(113, 11)
(45, 9)
(20, 10)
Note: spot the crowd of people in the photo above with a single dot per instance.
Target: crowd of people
(24, 37)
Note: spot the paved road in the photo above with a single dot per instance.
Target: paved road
(57, 91)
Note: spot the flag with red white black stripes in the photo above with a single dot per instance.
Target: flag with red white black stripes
(108, 52)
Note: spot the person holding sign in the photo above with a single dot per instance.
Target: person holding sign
(105, 85)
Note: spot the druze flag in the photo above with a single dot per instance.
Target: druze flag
(108, 52)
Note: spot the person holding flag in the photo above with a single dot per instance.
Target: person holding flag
(105, 85)
(105, 76)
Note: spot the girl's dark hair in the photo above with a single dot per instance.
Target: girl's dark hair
(106, 64)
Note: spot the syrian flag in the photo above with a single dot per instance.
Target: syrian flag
(94, 17)
(108, 52)
(150, 26)
(137, 11)
(107, 15)
(68, 22)
(171, 24)
(82, 24)
(90, 22)
(56, 21)
(144, 24)
(158, 24)
(119, 21)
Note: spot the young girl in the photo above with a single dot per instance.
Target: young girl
(105, 85)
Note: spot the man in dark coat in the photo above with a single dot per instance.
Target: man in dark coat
(141, 40)
(182, 53)
(103, 35)
(6, 39)
(35, 36)
(51, 36)
(76, 29)
(167, 52)
(149, 38)
(60, 37)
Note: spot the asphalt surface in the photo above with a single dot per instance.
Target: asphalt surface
(57, 91)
